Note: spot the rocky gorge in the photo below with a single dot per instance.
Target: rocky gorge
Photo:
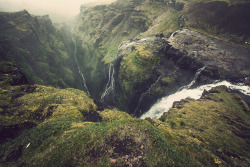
(82, 94)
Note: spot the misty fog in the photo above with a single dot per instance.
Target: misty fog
(57, 9)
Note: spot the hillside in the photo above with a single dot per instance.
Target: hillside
(42, 52)
(97, 91)
(103, 28)
(44, 126)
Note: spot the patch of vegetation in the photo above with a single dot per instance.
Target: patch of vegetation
(167, 80)
(44, 126)
(213, 130)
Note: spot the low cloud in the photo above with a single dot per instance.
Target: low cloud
(55, 8)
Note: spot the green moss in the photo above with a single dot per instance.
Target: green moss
(113, 115)
(209, 128)
(136, 67)
(167, 80)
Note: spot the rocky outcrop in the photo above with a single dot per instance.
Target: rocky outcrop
(147, 69)
(103, 28)
(223, 61)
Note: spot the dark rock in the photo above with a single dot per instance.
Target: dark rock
(205, 92)
(179, 104)
(92, 116)
(10, 132)
(14, 154)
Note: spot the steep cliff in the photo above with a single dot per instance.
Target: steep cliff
(103, 28)
(43, 53)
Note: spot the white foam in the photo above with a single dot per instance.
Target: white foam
(166, 103)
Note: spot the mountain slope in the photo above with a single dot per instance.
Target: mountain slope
(103, 28)
(44, 126)
(42, 52)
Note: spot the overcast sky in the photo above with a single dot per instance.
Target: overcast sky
(66, 8)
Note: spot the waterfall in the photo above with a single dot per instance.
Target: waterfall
(110, 84)
(78, 67)
(166, 103)
(195, 78)
(145, 93)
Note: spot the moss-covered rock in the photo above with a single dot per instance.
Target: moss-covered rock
(103, 28)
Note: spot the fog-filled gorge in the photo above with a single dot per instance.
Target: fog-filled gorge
(59, 10)
(124, 83)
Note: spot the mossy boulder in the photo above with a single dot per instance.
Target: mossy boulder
(146, 70)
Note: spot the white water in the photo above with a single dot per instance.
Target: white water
(195, 78)
(145, 93)
(110, 84)
(78, 67)
(165, 104)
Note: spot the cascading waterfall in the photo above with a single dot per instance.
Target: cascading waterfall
(145, 93)
(110, 84)
(195, 78)
(78, 67)
(166, 103)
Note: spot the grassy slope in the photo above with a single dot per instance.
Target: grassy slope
(223, 19)
(45, 126)
(214, 129)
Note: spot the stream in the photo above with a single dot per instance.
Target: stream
(165, 103)
(78, 67)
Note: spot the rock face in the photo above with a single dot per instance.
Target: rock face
(42, 52)
(153, 67)
(103, 28)
(145, 70)
(222, 60)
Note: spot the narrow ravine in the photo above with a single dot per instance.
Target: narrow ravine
(165, 103)
(77, 63)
